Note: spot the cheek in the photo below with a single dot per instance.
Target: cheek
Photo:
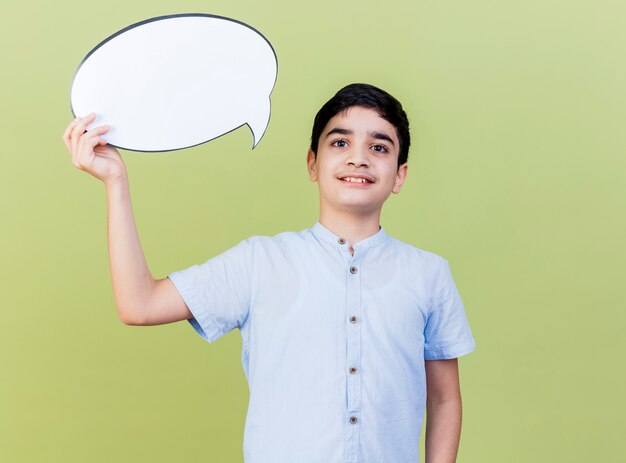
(324, 172)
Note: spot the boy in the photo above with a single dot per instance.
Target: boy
(348, 334)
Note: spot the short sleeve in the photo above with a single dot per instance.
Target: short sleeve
(218, 292)
(447, 333)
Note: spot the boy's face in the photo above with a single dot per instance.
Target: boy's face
(356, 166)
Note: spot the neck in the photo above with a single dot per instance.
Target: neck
(351, 227)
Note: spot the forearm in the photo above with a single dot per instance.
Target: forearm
(132, 281)
(443, 430)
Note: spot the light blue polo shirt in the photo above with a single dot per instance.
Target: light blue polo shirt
(333, 344)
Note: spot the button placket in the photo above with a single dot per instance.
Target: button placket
(353, 359)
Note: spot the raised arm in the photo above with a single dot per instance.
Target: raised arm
(139, 298)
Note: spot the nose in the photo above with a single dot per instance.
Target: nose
(357, 157)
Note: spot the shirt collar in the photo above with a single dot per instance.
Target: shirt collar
(323, 233)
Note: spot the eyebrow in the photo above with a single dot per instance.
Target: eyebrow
(376, 135)
(381, 136)
(340, 131)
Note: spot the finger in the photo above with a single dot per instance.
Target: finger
(77, 134)
(87, 144)
(79, 129)
(93, 133)
(73, 140)
(96, 132)
(68, 130)
(81, 125)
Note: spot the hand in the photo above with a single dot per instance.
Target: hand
(90, 151)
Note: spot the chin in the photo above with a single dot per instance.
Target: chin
(361, 207)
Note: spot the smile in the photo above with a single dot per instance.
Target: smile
(360, 180)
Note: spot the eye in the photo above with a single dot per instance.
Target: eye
(380, 148)
(341, 143)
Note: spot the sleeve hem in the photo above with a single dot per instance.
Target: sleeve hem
(450, 352)
(201, 321)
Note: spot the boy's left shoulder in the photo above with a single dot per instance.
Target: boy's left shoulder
(425, 257)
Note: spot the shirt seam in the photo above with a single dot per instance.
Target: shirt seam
(253, 295)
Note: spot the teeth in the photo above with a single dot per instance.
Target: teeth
(355, 180)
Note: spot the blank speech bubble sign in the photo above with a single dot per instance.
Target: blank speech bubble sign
(177, 81)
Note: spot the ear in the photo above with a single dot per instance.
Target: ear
(311, 165)
(400, 177)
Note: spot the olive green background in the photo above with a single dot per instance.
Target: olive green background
(517, 176)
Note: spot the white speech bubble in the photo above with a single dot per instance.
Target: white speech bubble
(177, 81)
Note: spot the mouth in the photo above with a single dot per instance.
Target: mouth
(356, 179)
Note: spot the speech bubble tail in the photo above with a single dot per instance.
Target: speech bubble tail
(259, 121)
